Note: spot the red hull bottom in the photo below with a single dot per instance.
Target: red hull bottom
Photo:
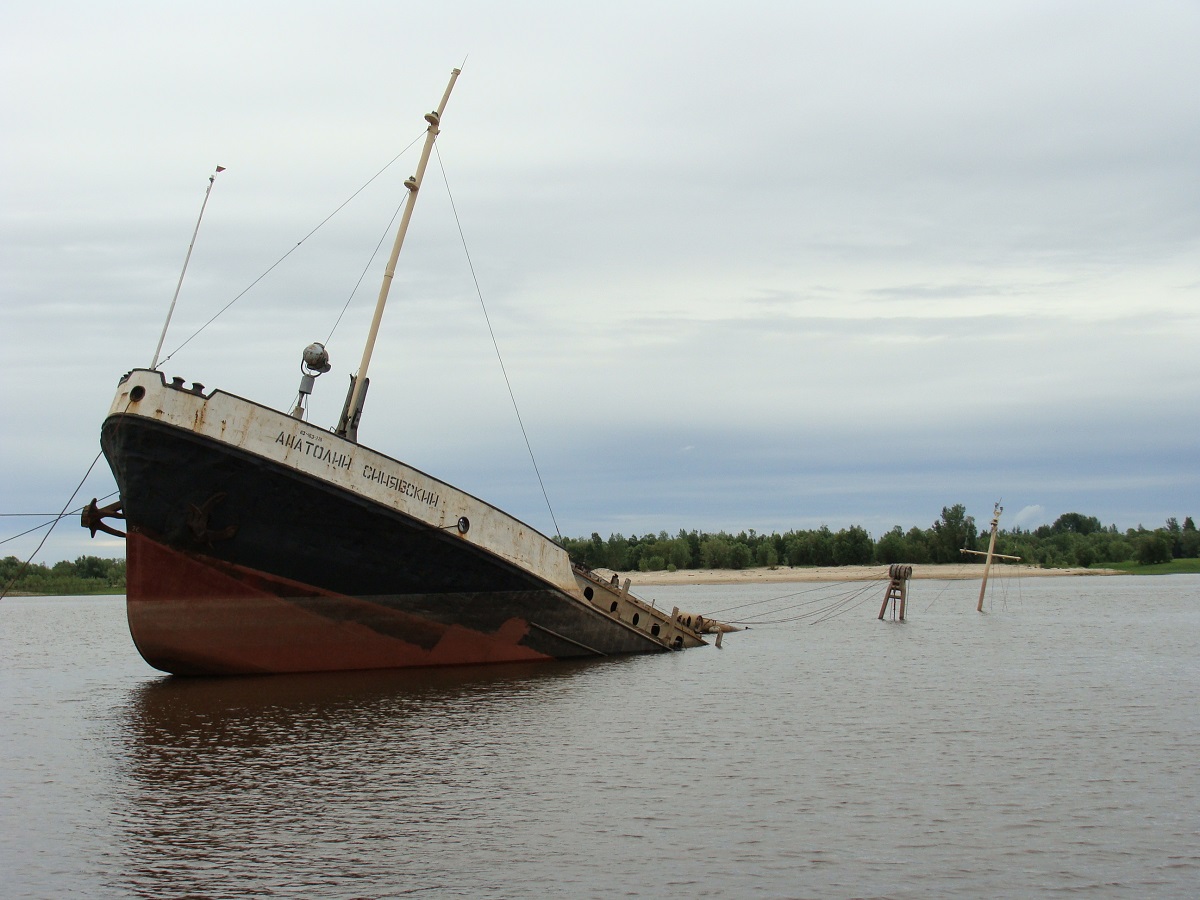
(193, 616)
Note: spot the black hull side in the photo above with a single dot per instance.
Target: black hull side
(270, 530)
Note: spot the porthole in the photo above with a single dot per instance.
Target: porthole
(636, 616)
(613, 608)
(137, 394)
(654, 630)
(589, 593)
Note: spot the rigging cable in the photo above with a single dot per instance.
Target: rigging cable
(848, 604)
(819, 587)
(844, 602)
(948, 581)
(363, 274)
(61, 515)
(383, 237)
(51, 517)
(292, 250)
(848, 599)
(496, 345)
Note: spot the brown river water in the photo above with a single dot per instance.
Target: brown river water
(1048, 747)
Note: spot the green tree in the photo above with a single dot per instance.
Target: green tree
(740, 555)
(692, 538)
(596, 554)
(1117, 550)
(617, 556)
(1084, 555)
(679, 553)
(651, 564)
(1074, 523)
(853, 547)
(797, 549)
(891, 547)
(917, 542)
(953, 532)
(92, 567)
(716, 553)
(1190, 539)
(822, 546)
(1154, 547)
(1176, 537)
(766, 555)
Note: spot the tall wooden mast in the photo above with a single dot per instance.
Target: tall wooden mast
(990, 555)
(348, 426)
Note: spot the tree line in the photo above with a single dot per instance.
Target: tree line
(86, 575)
(1073, 540)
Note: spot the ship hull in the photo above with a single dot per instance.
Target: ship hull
(239, 563)
(192, 615)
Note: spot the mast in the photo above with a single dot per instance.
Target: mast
(348, 426)
(990, 555)
(186, 259)
(987, 563)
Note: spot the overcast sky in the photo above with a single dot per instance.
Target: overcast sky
(749, 265)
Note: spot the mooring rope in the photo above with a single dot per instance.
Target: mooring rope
(852, 593)
(844, 602)
(58, 518)
(51, 518)
(849, 605)
(819, 587)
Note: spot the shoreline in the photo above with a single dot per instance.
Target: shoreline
(788, 575)
(799, 574)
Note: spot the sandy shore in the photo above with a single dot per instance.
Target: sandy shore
(784, 574)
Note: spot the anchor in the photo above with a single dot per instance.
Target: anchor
(197, 522)
(92, 518)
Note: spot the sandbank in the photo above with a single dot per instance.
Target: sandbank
(785, 574)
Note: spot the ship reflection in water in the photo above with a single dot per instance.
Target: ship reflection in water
(338, 778)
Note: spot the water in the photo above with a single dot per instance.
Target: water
(1048, 747)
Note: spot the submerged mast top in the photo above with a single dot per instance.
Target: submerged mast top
(990, 555)
(348, 426)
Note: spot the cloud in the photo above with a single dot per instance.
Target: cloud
(1030, 516)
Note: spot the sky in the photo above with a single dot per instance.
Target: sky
(748, 265)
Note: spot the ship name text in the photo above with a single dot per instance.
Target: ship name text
(400, 485)
(300, 442)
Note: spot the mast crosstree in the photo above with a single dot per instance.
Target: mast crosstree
(990, 555)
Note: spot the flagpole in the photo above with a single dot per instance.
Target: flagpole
(170, 312)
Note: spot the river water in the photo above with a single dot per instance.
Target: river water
(1049, 746)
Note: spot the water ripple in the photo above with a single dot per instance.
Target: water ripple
(1048, 748)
